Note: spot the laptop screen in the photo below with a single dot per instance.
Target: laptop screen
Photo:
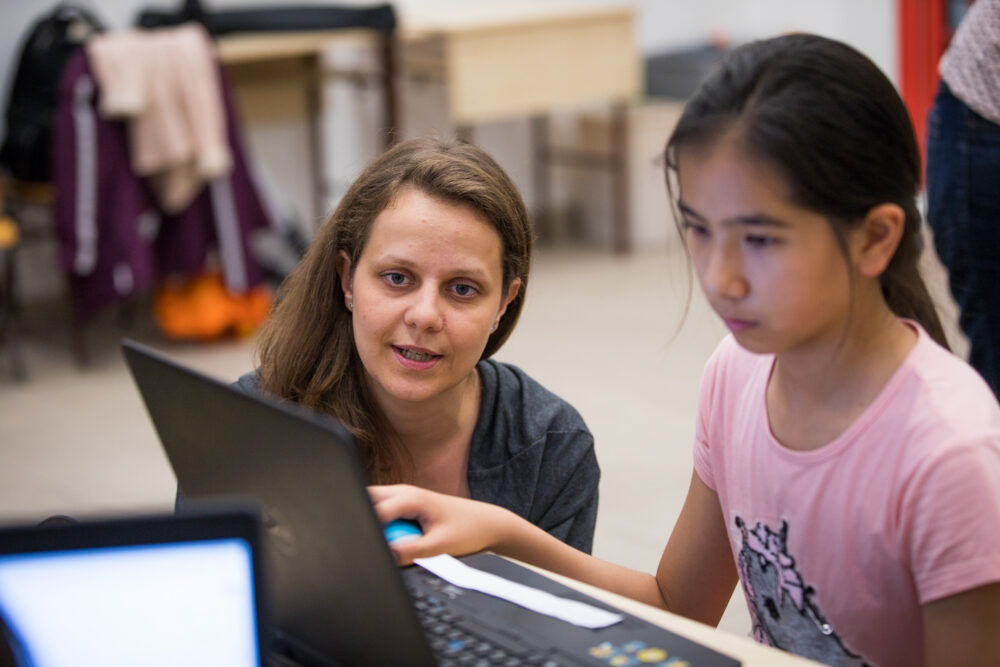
(172, 603)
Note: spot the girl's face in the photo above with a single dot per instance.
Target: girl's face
(772, 270)
(426, 293)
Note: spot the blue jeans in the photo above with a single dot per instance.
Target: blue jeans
(963, 210)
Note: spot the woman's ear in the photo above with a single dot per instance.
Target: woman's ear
(346, 281)
(512, 291)
(878, 238)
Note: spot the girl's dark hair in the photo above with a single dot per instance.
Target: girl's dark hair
(834, 126)
(306, 348)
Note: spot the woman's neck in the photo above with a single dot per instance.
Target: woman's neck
(816, 392)
(437, 434)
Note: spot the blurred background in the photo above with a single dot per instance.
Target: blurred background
(574, 98)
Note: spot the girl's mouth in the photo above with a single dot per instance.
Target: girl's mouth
(736, 325)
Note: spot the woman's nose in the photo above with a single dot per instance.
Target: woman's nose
(425, 310)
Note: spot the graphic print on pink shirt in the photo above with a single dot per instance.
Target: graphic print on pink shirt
(784, 614)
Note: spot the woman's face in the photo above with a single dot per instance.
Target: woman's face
(426, 294)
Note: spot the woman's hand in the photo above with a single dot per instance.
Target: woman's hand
(459, 526)
(451, 525)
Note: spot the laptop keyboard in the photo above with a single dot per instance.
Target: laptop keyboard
(456, 640)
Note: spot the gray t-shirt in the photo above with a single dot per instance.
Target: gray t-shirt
(531, 452)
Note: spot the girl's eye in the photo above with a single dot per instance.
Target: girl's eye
(761, 241)
(694, 228)
(462, 289)
(395, 278)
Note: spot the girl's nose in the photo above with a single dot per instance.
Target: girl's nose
(425, 310)
(723, 276)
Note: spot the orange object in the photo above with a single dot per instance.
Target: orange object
(9, 233)
(201, 308)
(249, 310)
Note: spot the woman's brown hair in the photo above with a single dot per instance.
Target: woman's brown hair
(306, 349)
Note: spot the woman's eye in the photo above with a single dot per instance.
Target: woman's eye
(461, 289)
(395, 278)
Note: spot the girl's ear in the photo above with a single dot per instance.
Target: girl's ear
(346, 282)
(878, 239)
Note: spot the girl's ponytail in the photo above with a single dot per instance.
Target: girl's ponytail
(903, 287)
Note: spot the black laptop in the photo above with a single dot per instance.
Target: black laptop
(337, 595)
(165, 590)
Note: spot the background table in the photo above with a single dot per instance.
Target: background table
(506, 60)
(497, 61)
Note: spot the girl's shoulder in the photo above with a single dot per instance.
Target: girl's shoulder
(942, 386)
(935, 412)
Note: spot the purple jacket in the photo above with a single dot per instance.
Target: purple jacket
(113, 241)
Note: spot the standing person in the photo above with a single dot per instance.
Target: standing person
(847, 465)
(963, 174)
(389, 323)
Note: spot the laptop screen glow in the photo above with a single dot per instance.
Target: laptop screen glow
(189, 603)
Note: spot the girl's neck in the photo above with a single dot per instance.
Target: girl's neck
(816, 392)
(437, 434)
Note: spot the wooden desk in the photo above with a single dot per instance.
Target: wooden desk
(744, 649)
(497, 60)
(503, 60)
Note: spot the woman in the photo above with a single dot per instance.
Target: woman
(389, 323)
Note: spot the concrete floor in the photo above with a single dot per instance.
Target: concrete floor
(612, 335)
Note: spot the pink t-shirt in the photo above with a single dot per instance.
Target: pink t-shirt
(838, 547)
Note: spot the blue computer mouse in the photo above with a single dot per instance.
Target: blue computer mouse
(401, 529)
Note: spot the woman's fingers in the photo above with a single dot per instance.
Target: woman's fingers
(451, 525)
(421, 547)
(396, 501)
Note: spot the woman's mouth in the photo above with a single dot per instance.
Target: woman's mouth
(415, 359)
(413, 355)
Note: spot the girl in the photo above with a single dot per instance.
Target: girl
(388, 324)
(847, 466)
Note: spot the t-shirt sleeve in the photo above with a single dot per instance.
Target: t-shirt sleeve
(951, 521)
(702, 433)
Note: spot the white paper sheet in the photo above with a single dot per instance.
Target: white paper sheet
(459, 574)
